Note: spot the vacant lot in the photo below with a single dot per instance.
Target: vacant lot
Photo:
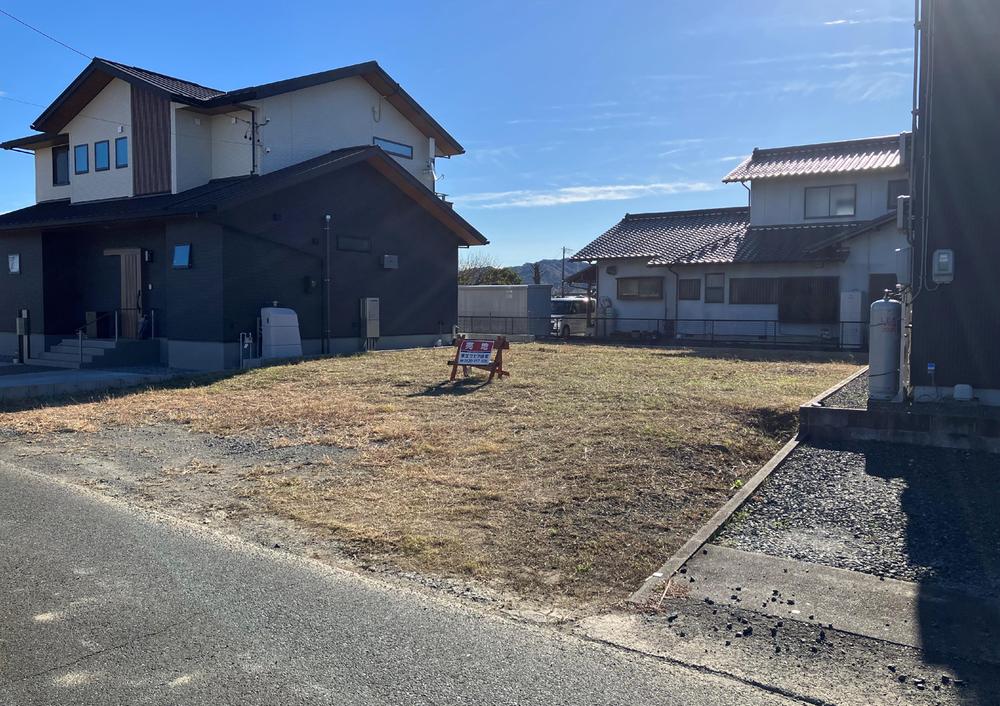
(569, 481)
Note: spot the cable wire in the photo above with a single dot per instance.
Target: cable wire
(47, 36)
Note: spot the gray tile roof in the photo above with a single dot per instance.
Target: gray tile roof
(175, 86)
(870, 154)
(722, 236)
(672, 234)
(770, 244)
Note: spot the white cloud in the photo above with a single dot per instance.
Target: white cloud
(733, 158)
(528, 198)
(857, 54)
(841, 22)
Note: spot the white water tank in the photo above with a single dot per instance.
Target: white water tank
(279, 333)
(883, 351)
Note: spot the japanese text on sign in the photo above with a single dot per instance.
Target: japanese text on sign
(475, 352)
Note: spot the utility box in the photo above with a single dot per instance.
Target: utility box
(279, 333)
(370, 317)
(852, 323)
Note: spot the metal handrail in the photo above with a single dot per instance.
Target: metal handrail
(114, 312)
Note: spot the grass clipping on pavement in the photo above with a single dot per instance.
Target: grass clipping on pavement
(572, 479)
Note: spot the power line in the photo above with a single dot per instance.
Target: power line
(47, 36)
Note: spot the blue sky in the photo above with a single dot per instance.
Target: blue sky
(572, 113)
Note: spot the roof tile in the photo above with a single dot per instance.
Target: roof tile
(672, 234)
(176, 86)
(870, 154)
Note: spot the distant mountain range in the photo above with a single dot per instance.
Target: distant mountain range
(551, 271)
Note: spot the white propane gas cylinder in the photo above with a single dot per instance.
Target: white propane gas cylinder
(883, 349)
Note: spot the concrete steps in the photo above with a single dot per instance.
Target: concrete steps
(98, 353)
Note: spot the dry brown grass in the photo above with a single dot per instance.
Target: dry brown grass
(573, 478)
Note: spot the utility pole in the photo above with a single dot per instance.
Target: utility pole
(562, 287)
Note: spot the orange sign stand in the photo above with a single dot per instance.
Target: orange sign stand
(475, 353)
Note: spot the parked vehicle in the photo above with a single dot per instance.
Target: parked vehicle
(572, 315)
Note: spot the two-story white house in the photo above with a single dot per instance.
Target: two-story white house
(170, 212)
(800, 264)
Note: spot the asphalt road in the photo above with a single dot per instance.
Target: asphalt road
(102, 604)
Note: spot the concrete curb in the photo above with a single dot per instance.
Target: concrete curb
(704, 534)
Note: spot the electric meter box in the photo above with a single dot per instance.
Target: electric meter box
(943, 266)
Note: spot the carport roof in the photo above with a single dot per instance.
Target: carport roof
(222, 194)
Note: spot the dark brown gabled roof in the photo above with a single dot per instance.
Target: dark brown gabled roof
(222, 194)
(869, 154)
(671, 234)
(100, 72)
(174, 86)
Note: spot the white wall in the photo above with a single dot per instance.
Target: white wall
(316, 120)
(193, 149)
(299, 125)
(635, 314)
(100, 120)
(782, 201)
(872, 253)
(232, 151)
(44, 189)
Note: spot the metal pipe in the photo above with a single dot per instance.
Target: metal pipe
(116, 326)
(325, 347)
(79, 335)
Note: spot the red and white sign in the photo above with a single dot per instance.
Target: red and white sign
(475, 352)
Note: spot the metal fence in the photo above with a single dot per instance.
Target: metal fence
(843, 335)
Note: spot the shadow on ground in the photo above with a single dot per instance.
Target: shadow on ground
(462, 386)
(951, 501)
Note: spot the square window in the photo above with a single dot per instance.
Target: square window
(715, 288)
(817, 203)
(121, 152)
(102, 156)
(60, 165)
(14, 264)
(842, 200)
(182, 256)
(81, 159)
(831, 201)
(689, 289)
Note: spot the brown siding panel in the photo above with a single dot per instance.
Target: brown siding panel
(151, 142)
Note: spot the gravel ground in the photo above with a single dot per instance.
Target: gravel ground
(853, 395)
(905, 512)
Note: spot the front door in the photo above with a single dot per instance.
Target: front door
(131, 290)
